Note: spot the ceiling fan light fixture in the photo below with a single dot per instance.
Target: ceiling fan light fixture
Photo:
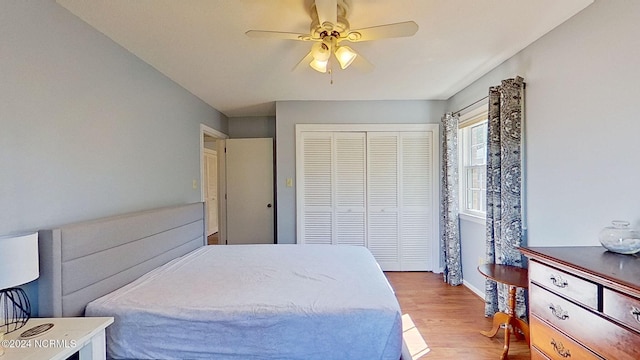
(320, 52)
(319, 65)
(345, 56)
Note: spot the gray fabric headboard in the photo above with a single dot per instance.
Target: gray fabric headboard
(84, 261)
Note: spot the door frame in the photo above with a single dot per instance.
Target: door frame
(211, 153)
(222, 204)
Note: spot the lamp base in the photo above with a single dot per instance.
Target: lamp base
(16, 309)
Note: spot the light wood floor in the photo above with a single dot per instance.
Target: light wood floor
(450, 318)
(212, 239)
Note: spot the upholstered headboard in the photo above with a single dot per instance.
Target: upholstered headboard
(84, 261)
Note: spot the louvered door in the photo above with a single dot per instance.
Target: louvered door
(416, 199)
(382, 195)
(373, 189)
(317, 205)
(349, 196)
(400, 211)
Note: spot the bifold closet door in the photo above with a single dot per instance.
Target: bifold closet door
(333, 183)
(400, 197)
(373, 189)
(417, 211)
(315, 223)
(350, 182)
(382, 199)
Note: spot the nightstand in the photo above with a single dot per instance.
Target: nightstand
(85, 335)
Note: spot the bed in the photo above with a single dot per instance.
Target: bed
(172, 297)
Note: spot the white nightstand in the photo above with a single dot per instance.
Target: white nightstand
(68, 336)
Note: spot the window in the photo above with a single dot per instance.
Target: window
(472, 146)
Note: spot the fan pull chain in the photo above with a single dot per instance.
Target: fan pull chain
(330, 70)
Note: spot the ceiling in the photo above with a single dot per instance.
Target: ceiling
(201, 45)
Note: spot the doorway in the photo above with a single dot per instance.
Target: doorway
(212, 180)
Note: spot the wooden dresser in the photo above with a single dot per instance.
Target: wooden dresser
(584, 303)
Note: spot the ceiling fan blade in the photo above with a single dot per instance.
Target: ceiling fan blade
(327, 11)
(304, 62)
(402, 29)
(362, 64)
(277, 35)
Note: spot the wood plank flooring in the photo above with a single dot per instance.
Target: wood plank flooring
(212, 239)
(450, 319)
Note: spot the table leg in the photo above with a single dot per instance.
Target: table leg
(522, 325)
(499, 319)
(95, 349)
(510, 322)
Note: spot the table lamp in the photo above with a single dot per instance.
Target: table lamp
(18, 265)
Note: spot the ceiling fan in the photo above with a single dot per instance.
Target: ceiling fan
(329, 28)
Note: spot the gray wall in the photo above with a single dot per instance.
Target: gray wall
(252, 127)
(472, 234)
(87, 129)
(290, 113)
(582, 129)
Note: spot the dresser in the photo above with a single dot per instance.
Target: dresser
(584, 303)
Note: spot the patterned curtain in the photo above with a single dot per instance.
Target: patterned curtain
(450, 239)
(504, 190)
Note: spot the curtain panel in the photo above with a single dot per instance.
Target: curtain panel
(504, 190)
(450, 237)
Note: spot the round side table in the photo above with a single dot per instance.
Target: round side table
(514, 277)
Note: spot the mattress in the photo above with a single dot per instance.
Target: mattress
(256, 302)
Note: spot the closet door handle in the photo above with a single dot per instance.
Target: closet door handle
(268, 205)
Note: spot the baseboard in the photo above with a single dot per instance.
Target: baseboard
(473, 289)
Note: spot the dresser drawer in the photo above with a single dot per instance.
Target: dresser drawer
(555, 344)
(537, 354)
(575, 288)
(623, 308)
(593, 331)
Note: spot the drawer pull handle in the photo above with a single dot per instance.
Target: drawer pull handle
(635, 312)
(557, 311)
(558, 281)
(559, 348)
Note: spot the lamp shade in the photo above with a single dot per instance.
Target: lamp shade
(345, 56)
(18, 259)
(320, 51)
(319, 66)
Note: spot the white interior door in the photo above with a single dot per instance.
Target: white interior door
(316, 198)
(375, 188)
(350, 183)
(249, 182)
(382, 199)
(211, 190)
(417, 211)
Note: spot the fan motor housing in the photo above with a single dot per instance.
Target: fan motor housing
(340, 29)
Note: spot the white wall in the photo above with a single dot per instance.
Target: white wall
(290, 113)
(582, 131)
(86, 128)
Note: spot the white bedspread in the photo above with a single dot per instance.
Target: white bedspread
(257, 302)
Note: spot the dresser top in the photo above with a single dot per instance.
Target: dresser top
(594, 261)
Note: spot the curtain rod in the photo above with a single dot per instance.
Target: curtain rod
(524, 86)
(470, 105)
